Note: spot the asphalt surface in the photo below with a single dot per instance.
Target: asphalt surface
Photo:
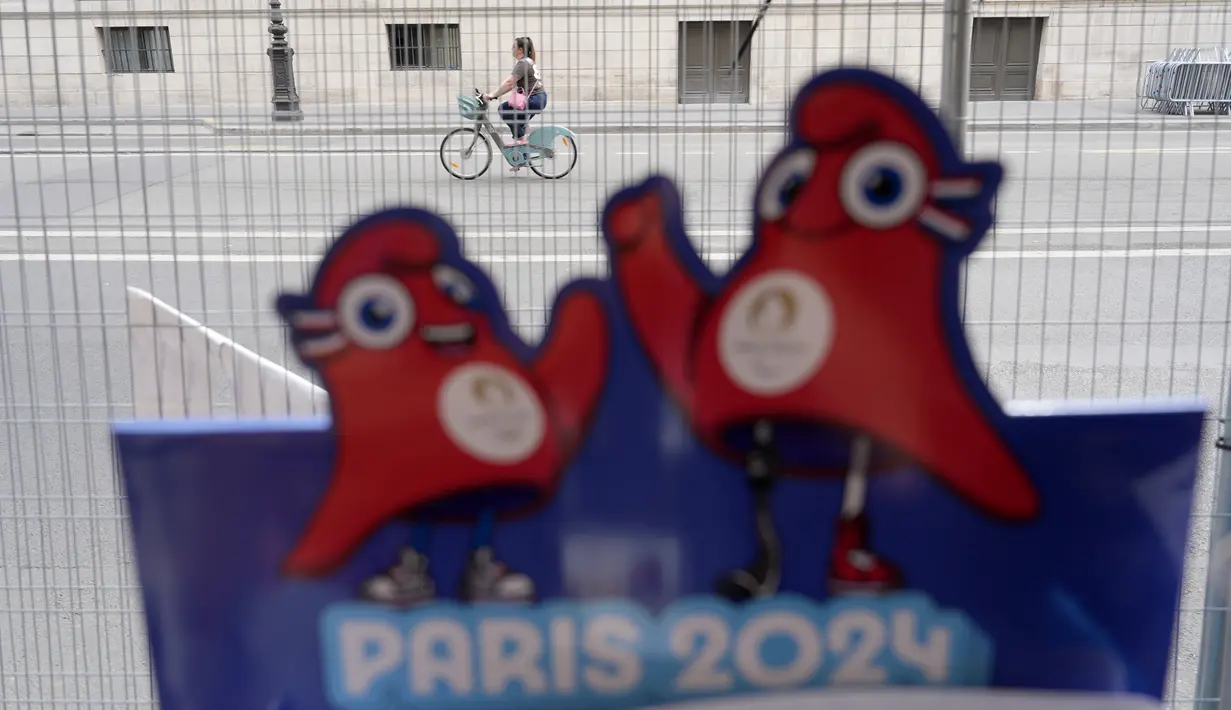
(247, 183)
(1108, 276)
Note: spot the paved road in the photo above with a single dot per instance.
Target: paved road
(253, 183)
(1068, 300)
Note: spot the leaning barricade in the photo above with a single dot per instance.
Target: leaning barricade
(1191, 80)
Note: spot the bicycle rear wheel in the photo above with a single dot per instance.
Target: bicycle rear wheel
(465, 153)
(562, 161)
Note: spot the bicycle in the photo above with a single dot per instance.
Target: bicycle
(545, 143)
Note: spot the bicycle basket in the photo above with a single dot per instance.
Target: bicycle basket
(470, 107)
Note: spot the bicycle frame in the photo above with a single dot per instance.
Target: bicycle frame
(514, 155)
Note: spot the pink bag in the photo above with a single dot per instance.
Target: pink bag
(519, 99)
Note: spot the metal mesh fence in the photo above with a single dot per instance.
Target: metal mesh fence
(141, 149)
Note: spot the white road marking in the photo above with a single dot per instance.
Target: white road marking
(991, 255)
(1131, 253)
(1143, 228)
(137, 153)
(282, 153)
(100, 151)
(189, 235)
(1149, 150)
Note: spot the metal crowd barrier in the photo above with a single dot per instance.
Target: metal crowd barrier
(1191, 80)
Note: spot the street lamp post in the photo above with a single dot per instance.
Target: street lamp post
(955, 79)
(286, 99)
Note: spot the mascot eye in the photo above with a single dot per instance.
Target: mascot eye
(883, 185)
(376, 312)
(454, 284)
(785, 181)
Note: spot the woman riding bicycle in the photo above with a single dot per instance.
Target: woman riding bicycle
(525, 80)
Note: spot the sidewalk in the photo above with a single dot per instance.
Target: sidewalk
(615, 117)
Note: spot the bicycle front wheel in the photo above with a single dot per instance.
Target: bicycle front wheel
(465, 153)
(562, 161)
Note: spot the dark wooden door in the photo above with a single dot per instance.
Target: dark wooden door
(708, 71)
(1004, 58)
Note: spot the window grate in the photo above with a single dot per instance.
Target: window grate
(137, 50)
(424, 46)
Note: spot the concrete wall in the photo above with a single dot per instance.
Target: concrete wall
(1097, 49)
(602, 50)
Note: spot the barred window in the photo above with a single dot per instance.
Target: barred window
(131, 50)
(414, 46)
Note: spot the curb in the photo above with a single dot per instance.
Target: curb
(675, 128)
(1115, 126)
(1147, 122)
(441, 129)
(99, 121)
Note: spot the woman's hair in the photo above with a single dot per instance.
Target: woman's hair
(526, 45)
